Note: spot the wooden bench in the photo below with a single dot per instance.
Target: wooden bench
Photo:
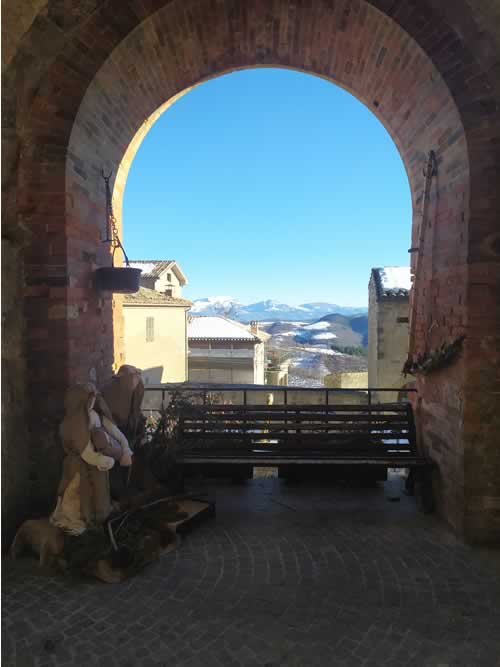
(364, 437)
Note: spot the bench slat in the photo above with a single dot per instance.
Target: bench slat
(379, 434)
(262, 422)
(258, 427)
(331, 450)
(332, 436)
(375, 407)
(390, 462)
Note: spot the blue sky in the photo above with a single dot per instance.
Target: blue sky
(269, 184)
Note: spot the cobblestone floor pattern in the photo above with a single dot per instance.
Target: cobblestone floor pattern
(284, 575)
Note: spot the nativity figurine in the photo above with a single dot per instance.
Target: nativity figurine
(123, 395)
(92, 445)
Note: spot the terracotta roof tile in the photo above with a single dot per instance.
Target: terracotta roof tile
(150, 297)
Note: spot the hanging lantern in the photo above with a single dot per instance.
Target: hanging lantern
(122, 279)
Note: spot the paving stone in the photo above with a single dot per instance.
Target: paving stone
(365, 583)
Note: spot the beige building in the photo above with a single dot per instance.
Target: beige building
(347, 380)
(161, 275)
(155, 323)
(388, 312)
(156, 335)
(225, 351)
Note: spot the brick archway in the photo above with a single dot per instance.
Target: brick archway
(121, 67)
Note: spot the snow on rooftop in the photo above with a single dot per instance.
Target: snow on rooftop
(218, 327)
(145, 268)
(395, 278)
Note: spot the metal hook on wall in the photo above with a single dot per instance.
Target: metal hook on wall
(431, 169)
(111, 230)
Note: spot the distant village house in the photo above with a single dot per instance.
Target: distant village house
(155, 322)
(224, 351)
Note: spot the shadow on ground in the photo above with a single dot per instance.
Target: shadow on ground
(284, 575)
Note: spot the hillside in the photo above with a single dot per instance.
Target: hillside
(337, 329)
(309, 346)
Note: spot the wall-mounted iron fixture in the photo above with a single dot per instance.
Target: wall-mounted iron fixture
(122, 279)
(429, 172)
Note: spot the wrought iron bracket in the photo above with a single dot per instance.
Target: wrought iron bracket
(431, 169)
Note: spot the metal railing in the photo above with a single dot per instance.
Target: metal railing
(159, 396)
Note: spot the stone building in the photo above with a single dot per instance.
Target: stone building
(388, 308)
(222, 350)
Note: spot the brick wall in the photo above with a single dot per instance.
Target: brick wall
(86, 82)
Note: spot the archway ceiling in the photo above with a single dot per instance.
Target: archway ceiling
(182, 44)
(36, 33)
(69, 42)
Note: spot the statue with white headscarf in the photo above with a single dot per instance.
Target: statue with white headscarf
(92, 444)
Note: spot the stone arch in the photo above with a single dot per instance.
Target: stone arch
(430, 87)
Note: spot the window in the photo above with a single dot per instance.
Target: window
(150, 329)
(402, 320)
(169, 277)
(168, 292)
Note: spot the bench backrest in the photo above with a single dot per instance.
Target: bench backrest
(337, 429)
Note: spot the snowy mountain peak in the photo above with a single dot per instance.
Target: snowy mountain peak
(270, 309)
(215, 305)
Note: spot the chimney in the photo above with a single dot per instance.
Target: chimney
(254, 327)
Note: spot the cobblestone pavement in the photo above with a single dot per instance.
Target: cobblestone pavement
(284, 575)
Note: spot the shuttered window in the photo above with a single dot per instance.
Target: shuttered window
(150, 329)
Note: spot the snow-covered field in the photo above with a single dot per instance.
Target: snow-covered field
(317, 326)
(324, 336)
(324, 350)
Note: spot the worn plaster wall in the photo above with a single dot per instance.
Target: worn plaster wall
(169, 281)
(163, 358)
(392, 344)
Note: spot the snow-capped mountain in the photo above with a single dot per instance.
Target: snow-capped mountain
(215, 305)
(269, 310)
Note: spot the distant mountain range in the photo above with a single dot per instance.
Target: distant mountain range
(270, 310)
